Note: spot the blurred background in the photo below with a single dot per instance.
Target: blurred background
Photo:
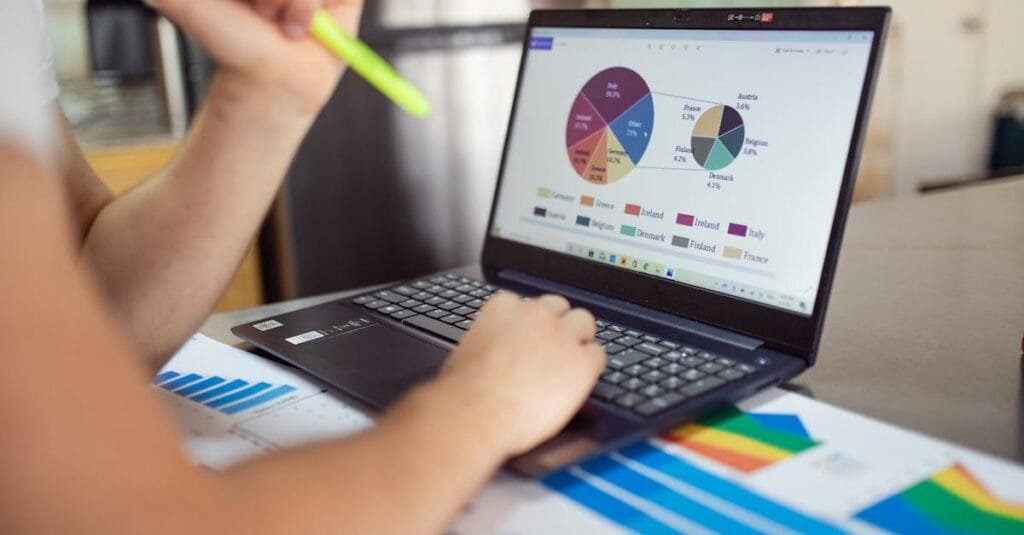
(375, 196)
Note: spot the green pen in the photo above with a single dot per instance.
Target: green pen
(368, 64)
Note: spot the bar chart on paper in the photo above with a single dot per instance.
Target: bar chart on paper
(229, 396)
(232, 405)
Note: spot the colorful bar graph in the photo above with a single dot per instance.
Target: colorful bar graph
(736, 229)
(685, 220)
(950, 501)
(646, 489)
(632, 209)
(744, 442)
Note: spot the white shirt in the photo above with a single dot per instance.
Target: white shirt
(28, 84)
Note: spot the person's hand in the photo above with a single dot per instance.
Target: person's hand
(265, 44)
(529, 364)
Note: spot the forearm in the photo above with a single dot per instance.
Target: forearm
(412, 473)
(164, 252)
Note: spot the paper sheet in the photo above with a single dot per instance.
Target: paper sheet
(779, 463)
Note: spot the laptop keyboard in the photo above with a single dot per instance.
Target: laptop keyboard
(645, 374)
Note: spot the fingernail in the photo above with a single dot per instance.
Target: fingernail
(295, 31)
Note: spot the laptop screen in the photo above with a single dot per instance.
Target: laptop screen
(711, 158)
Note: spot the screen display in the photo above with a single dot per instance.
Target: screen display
(711, 158)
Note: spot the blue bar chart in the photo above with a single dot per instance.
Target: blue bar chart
(229, 396)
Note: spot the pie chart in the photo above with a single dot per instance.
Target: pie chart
(717, 137)
(609, 125)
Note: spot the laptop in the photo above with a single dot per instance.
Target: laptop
(685, 175)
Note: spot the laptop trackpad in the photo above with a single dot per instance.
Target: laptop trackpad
(375, 364)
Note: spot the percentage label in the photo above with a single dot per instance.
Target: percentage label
(613, 94)
(614, 159)
(714, 185)
(689, 117)
(679, 158)
(750, 151)
(581, 126)
(632, 133)
(743, 106)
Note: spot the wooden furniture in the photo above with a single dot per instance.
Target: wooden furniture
(925, 324)
(123, 168)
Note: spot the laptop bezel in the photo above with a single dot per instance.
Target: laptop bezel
(786, 331)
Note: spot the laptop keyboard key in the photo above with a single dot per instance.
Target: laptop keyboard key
(673, 368)
(654, 362)
(701, 386)
(652, 390)
(452, 318)
(633, 384)
(626, 358)
(448, 305)
(730, 374)
(390, 297)
(462, 299)
(437, 313)
(613, 348)
(608, 335)
(672, 355)
(404, 290)
(636, 369)
(607, 392)
(670, 345)
(434, 301)
(422, 296)
(448, 332)
(628, 341)
(710, 367)
(651, 339)
(410, 303)
(672, 383)
(653, 376)
(374, 305)
(423, 309)
(692, 375)
(402, 314)
(614, 378)
(462, 311)
(659, 404)
(389, 309)
(650, 348)
(465, 324)
(363, 299)
(476, 303)
(628, 401)
(692, 362)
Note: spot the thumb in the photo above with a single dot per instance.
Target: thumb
(229, 30)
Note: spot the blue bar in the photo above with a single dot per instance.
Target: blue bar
(673, 466)
(220, 390)
(164, 376)
(541, 43)
(241, 394)
(896, 515)
(640, 485)
(604, 504)
(181, 381)
(199, 387)
(262, 398)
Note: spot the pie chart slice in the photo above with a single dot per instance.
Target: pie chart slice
(609, 125)
(718, 137)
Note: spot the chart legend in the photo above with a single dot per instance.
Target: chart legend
(609, 125)
(718, 137)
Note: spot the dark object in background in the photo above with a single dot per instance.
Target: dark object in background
(121, 40)
(1008, 141)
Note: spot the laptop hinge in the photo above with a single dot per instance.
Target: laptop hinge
(624, 307)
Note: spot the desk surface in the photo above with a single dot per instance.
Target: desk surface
(925, 325)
